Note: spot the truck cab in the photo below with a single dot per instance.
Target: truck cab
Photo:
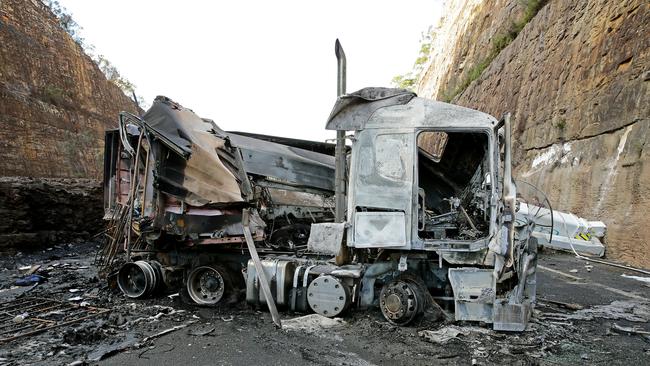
(434, 179)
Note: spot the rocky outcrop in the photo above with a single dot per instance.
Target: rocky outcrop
(576, 80)
(38, 212)
(55, 103)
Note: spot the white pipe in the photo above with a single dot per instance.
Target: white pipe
(600, 260)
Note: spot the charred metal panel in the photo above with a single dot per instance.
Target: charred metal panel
(194, 173)
(172, 174)
(381, 180)
(111, 149)
(315, 146)
(326, 238)
(285, 163)
(379, 229)
(215, 226)
(396, 108)
(351, 111)
(474, 293)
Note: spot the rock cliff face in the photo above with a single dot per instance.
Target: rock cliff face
(38, 212)
(575, 78)
(54, 102)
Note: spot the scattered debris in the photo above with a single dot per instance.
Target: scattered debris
(566, 305)
(20, 317)
(164, 311)
(105, 352)
(443, 335)
(559, 336)
(201, 333)
(30, 269)
(630, 310)
(30, 280)
(166, 331)
(638, 278)
(312, 323)
(629, 330)
(44, 314)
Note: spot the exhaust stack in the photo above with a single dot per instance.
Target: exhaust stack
(339, 183)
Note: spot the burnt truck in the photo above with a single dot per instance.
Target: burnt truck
(416, 209)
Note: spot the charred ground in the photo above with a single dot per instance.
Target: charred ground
(239, 334)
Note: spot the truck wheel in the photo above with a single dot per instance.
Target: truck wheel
(139, 279)
(401, 301)
(207, 285)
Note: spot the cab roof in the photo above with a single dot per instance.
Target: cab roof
(389, 108)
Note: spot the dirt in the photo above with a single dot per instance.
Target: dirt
(130, 332)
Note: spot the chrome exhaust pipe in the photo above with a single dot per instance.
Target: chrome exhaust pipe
(339, 155)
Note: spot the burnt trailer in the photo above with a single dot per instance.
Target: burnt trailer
(418, 209)
(176, 187)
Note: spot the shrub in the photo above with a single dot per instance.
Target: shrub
(499, 42)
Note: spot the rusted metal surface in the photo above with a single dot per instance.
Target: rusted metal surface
(174, 177)
(28, 316)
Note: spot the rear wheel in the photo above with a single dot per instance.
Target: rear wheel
(139, 279)
(207, 285)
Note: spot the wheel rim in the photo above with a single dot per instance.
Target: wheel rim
(206, 285)
(400, 302)
(137, 279)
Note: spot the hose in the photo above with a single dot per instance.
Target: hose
(596, 260)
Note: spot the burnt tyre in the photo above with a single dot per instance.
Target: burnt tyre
(139, 279)
(290, 237)
(208, 285)
(401, 301)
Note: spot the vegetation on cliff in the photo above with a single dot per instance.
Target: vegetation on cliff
(408, 80)
(500, 41)
(68, 24)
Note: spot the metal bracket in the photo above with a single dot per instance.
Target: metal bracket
(261, 275)
(402, 266)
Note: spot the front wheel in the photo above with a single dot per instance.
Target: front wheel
(401, 301)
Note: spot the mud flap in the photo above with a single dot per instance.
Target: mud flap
(474, 293)
(511, 317)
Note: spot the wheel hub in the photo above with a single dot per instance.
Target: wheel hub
(393, 303)
(205, 285)
(400, 301)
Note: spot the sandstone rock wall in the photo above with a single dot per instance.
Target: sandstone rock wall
(461, 40)
(38, 212)
(576, 80)
(54, 102)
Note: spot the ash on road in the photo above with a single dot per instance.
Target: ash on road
(586, 313)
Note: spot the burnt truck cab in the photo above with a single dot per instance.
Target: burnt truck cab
(433, 180)
(428, 204)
